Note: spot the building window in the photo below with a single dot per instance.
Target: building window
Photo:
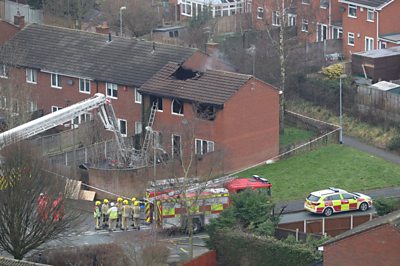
(3, 71)
(112, 90)
(337, 33)
(159, 101)
(176, 146)
(369, 43)
(352, 11)
(138, 96)
(31, 75)
(32, 106)
(138, 127)
(260, 13)
(370, 15)
(3, 102)
(80, 119)
(55, 108)
(55, 81)
(84, 85)
(322, 32)
(122, 126)
(382, 45)
(304, 25)
(323, 4)
(276, 20)
(307, 2)
(291, 20)
(177, 107)
(350, 38)
(203, 146)
(186, 7)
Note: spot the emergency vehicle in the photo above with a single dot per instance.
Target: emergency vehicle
(168, 208)
(333, 200)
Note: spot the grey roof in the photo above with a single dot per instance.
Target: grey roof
(368, 3)
(212, 86)
(12, 262)
(392, 37)
(89, 55)
(379, 53)
(391, 218)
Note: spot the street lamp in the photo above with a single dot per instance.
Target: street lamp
(342, 76)
(120, 18)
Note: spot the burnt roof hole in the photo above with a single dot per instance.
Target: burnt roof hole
(184, 74)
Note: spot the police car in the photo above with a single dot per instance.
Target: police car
(332, 200)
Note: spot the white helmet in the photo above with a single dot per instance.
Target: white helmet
(112, 204)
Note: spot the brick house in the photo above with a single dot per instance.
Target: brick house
(64, 66)
(369, 25)
(373, 243)
(8, 30)
(314, 21)
(227, 113)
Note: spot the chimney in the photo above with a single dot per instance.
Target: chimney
(103, 29)
(19, 20)
(211, 48)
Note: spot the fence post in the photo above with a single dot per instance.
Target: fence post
(86, 155)
(305, 226)
(66, 159)
(297, 234)
(323, 226)
(351, 222)
(370, 216)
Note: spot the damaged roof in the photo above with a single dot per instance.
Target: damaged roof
(212, 86)
(89, 55)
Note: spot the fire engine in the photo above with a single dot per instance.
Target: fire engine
(169, 207)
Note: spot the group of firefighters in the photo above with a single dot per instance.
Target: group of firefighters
(116, 214)
(55, 208)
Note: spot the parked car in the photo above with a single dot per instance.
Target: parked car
(333, 200)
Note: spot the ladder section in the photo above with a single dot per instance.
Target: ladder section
(149, 133)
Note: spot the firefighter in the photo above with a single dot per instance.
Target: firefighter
(113, 216)
(119, 207)
(136, 215)
(104, 211)
(97, 214)
(132, 205)
(126, 212)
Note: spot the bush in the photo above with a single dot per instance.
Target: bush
(386, 205)
(333, 71)
(394, 143)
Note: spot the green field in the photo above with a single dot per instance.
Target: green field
(334, 165)
(294, 135)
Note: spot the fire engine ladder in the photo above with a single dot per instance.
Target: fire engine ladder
(51, 120)
(214, 183)
(149, 130)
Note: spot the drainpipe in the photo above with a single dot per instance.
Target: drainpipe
(377, 28)
(330, 20)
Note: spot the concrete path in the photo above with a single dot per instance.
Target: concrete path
(297, 205)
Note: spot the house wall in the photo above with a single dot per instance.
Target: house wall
(7, 31)
(377, 246)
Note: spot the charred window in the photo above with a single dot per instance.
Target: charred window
(205, 111)
(159, 102)
(177, 107)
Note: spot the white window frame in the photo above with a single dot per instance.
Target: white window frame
(56, 81)
(138, 127)
(86, 86)
(32, 106)
(292, 20)
(369, 12)
(338, 31)
(382, 45)
(3, 72)
(31, 76)
(113, 90)
(260, 10)
(172, 145)
(55, 108)
(210, 146)
(172, 107)
(186, 8)
(304, 25)
(124, 134)
(321, 2)
(350, 35)
(276, 18)
(305, 2)
(368, 43)
(352, 7)
(320, 35)
(138, 96)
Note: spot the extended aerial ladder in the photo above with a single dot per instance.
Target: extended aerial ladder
(39, 125)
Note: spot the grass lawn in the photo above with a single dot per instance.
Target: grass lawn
(331, 166)
(293, 135)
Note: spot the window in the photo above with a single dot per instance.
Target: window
(350, 38)
(138, 96)
(382, 45)
(322, 32)
(307, 2)
(352, 11)
(370, 15)
(122, 126)
(348, 196)
(323, 3)
(32, 106)
(159, 102)
(177, 107)
(55, 81)
(291, 20)
(80, 119)
(176, 146)
(55, 108)
(369, 43)
(138, 127)
(335, 197)
(276, 21)
(84, 85)
(304, 25)
(3, 71)
(337, 33)
(112, 90)
(3, 102)
(186, 8)
(31, 75)
(260, 13)
(203, 146)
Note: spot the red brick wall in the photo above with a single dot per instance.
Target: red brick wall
(207, 259)
(7, 31)
(378, 246)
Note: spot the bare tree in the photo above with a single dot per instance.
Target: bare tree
(138, 19)
(29, 219)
